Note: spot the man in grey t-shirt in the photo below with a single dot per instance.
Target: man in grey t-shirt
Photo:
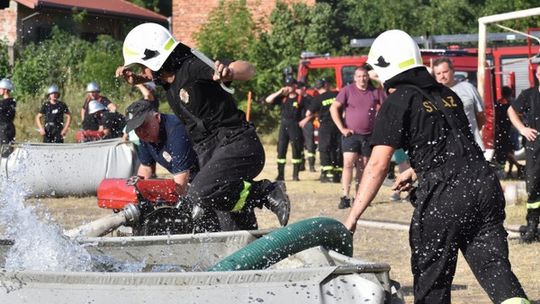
(443, 70)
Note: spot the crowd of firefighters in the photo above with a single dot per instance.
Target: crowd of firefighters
(98, 115)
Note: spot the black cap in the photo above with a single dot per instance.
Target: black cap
(320, 83)
(136, 114)
(289, 80)
(302, 84)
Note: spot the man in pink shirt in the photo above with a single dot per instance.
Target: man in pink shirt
(354, 114)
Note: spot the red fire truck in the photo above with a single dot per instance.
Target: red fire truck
(506, 66)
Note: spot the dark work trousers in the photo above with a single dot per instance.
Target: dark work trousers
(460, 209)
(229, 160)
(53, 133)
(309, 140)
(532, 169)
(330, 146)
(289, 131)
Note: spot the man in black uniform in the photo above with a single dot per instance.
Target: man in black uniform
(229, 150)
(289, 130)
(7, 115)
(111, 124)
(459, 204)
(308, 129)
(528, 105)
(54, 128)
(329, 135)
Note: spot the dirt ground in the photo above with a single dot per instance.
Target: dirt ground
(310, 198)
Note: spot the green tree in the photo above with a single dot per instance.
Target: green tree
(229, 31)
(100, 64)
(294, 29)
(5, 69)
(54, 60)
(493, 7)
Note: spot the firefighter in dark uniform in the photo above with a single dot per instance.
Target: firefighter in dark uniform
(289, 129)
(459, 203)
(7, 115)
(93, 93)
(308, 129)
(54, 128)
(329, 135)
(111, 124)
(528, 105)
(229, 150)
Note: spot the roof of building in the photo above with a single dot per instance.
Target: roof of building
(105, 7)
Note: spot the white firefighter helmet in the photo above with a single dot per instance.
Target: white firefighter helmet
(92, 87)
(149, 44)
(392, 53)
(53, 89)
(6, 84)
(95, 106)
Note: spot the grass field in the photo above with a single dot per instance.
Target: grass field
(310, 198)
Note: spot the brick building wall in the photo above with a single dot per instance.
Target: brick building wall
(8, 23)
(189, 16)
(8, 27)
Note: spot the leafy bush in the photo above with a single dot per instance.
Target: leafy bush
(5, 69)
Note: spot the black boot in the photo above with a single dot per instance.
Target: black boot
(337, 175)
(326, 177)
(296, 169)
(311, 162)
(278, 202)
(303, 164)
(531, 233)
(271, 195)
(281, 172)
(344, 202)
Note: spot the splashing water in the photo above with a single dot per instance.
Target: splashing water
(38, 246)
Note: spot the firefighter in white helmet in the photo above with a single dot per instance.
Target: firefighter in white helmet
(459, 204)
(7, 112)
(53, 128)
(229, 150)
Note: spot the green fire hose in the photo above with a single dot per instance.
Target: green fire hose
(281, 243)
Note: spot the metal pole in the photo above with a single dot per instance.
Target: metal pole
(482, 22)
(481, 72)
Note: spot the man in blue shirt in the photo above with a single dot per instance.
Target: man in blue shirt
(163, 140)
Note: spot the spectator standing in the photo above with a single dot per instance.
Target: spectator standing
(443, 70)
(524, 113)
(329, 145)
(289, 130)
(54, 128)
(504, 149)
(308, 129)
(354, 113)
(93, 92)
(8, 107)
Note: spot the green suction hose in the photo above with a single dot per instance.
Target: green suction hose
(281, 243)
